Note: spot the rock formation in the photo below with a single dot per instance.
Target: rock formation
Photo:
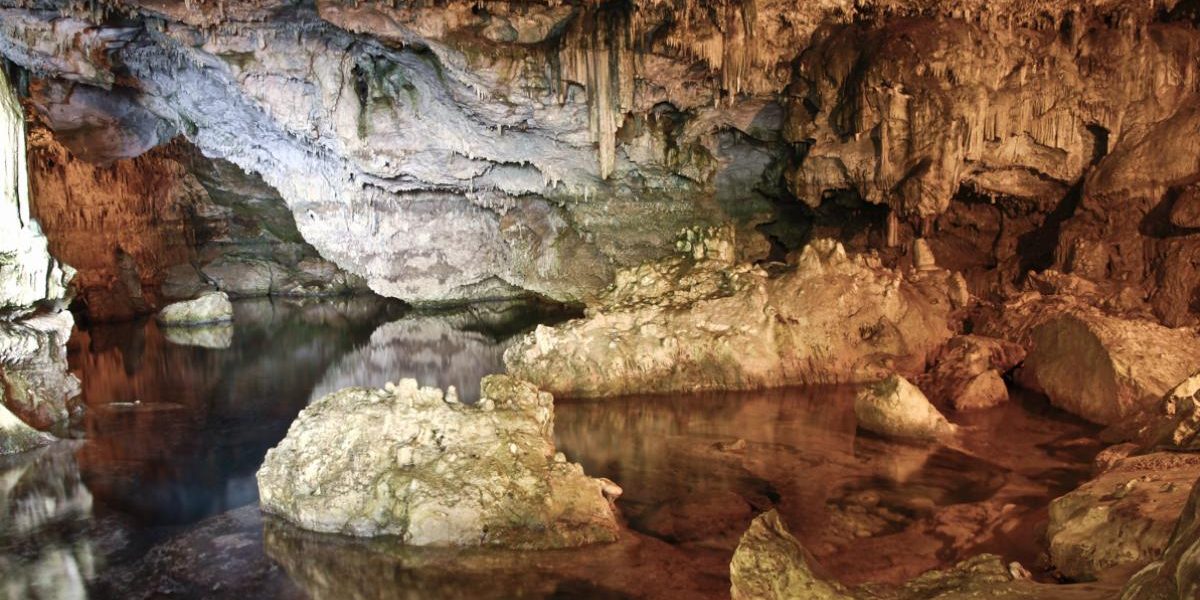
(1176, 576)
(34, 382)
(966, 372)
(702, 321)
(209, 308)
(16, 436)
(1123, 517)
(418, 464)
(166, 225)
(1107, 369)
(770, 563)
(895, 407)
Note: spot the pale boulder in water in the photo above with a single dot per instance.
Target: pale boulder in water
(213, 307)
(894, 407)
(417, 463)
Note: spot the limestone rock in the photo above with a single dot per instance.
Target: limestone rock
(1107, 369)
(1122, 517)
(1176, 576)
(707, 323)
(1185, 212)
(966, 372)
(1181, 407)
(209, 308)
(28, 274)
(769, 564)
(895, 407)
(16, 436)
(405, 461)
(37, 385)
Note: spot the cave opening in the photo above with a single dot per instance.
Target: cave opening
(577, 299)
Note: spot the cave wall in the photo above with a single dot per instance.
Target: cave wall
(453, 151)
(167, 225)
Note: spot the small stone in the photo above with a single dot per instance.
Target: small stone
(560, 458)
(487, 404)
(452, 395)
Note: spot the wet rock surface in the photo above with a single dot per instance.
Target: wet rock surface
(895, 407)
(1122, 518)
(418, 464)
(1177, 575)
(702, 321)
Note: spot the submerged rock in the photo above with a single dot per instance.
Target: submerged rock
(1176, 576)
(416, 463)
(770, 564)
(1123, 517)
(1107, 369)
(702, 321)
(212, 307)
(895, 407)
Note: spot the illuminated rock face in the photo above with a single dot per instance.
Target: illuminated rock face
(465, 151)
(167, 225)
(701, 321)
(28, 274)
(419, 464)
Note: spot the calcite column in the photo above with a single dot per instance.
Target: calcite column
(27, 272)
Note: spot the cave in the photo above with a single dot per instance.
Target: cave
(750, 299)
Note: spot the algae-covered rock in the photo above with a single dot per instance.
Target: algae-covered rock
(895, 407)
(416, 463)
(770, 564)
(1122, 517)
(212, 307)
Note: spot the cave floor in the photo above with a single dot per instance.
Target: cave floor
(157, 498)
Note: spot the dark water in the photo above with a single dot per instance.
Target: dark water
(158, 499)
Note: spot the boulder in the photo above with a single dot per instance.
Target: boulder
(966, 372)
(36, 383)
(1123, 517)
(16, 436)
(770, 564)
(1176, 576)
(702, 321)
(1107, 369)
(416, 463)
(211, 307)
(894, 407)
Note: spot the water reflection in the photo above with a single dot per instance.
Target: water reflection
(695, 470)
(158, 499)
(449, 348)
(43, 507)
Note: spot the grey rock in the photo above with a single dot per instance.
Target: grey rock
(212, 307)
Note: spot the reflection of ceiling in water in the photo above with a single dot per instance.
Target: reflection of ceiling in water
(436, 350)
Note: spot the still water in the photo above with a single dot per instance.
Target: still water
(157, 498)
